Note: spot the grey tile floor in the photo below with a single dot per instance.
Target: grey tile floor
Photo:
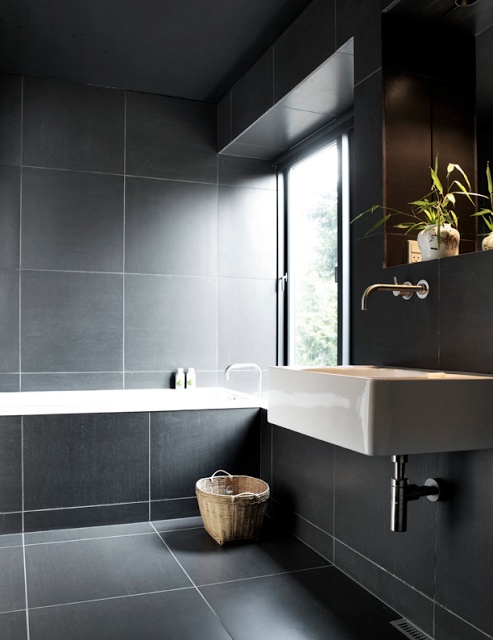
(170, 581)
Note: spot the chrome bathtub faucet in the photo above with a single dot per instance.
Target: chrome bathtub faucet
(243, 366)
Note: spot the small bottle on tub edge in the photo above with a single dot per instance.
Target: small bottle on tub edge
(191, 378)
(180, 379)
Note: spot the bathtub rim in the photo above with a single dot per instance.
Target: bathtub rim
(21, 403)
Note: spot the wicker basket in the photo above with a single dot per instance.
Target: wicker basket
(232, 507)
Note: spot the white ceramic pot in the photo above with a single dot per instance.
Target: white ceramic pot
(430, 247)
(487, 243)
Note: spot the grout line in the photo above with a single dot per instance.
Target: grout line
(120, 597)
(2, 613)
(69, 540)
(91, 506)
(23, 506)
(100, 537)
(20, 234)
(25, 590)
(173, 555)
(123, 231)
(378, 566)
(129, 175)
(334, 506)
(188, 576)
(149, 458)
(137, 273)
(435, 555)
(24, 563)
(269, 575)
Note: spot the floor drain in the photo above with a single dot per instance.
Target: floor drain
(410, 631)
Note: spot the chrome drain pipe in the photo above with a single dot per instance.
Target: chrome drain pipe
(402, 493)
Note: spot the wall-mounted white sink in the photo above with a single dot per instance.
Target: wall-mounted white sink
(384, 410)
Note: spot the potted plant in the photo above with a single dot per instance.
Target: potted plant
(433, 215)
(487, 213)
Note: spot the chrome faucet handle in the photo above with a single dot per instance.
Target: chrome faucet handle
(406, 295)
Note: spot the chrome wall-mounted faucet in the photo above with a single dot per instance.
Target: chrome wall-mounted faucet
(404, 290)
(247, 365)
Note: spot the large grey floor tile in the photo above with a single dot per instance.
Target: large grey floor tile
(13, 626)
(207, 562)
(100, 568)
(319, 604)
(11, 540)
(175, 615)
(12, 593)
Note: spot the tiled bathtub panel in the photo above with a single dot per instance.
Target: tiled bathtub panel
(189, 445)
(83, 460)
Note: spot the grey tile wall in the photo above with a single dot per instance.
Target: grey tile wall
(72, 221)
(253, 94)
(10, 465)
(171, 138)
(10, 118)
(170, 227)
(247, 325)
(86, 460)
(186, 332)
(247, 234)
(305, 45)
(10, 177)
(189, 445)
(119, 224)
(71, 321)
(9, 332)
(71, 126)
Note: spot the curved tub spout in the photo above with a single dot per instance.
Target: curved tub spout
(247, 365)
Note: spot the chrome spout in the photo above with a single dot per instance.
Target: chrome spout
(247, 365)
(404, 290)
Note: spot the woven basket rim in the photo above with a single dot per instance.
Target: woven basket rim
(203, 489)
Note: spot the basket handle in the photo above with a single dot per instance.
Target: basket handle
(242, 495)
(220, 471)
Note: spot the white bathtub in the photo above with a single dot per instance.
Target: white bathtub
(123, 401)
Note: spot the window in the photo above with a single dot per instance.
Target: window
(315, 292)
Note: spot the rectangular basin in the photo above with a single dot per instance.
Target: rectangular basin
(384, 410)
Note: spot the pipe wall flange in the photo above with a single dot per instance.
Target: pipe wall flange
(431, 482)
(426, 289)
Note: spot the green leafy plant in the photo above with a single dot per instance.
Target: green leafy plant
(435, 208)
(487, 213)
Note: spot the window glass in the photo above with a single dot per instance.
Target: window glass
(313, 259)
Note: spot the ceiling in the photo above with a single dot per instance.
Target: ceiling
(473, 19)
(184, 48)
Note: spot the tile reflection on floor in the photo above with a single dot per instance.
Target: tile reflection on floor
(171, 580)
